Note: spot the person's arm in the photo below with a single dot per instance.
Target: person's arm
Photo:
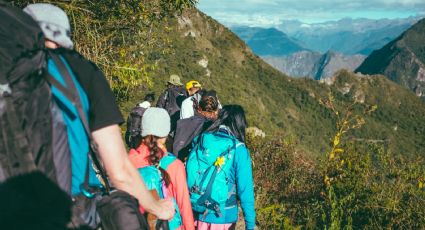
(122, 173)
(245, 185)
(178, 179)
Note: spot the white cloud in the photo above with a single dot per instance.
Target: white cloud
(271, 12)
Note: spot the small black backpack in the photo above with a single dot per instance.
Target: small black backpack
(133, 135)
(175, 97)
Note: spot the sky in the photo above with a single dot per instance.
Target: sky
(268, 13)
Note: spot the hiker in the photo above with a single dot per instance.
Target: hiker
(134, 128)
(91, 118)
(147, 101)
(171, 100)
(194, 95)
(219, 172)
(187, 129)
(161, 170)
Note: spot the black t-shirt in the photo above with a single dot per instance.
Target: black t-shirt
(103, 110)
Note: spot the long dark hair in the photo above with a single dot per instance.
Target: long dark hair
(150, 97)
(232, 116)
(155, 155)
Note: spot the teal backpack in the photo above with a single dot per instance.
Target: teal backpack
(208, 173)
(153, 180)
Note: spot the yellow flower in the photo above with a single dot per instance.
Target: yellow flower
(220, 161)
(336, 140)
(339, 150)
(327, 180)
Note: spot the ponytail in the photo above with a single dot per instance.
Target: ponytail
(155, 156)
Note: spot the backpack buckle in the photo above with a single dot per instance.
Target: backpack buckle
(92, 191)
(195, 189)
(217, 210)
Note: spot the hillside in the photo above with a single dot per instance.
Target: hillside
(313, 64)
(402, 60)
(270, 41)
(139, 55)
(203, 49)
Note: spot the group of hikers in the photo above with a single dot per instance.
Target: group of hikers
(187, 167)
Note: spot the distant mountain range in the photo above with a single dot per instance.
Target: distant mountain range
(268, 41)
(347, 36)
(402, 60)
(313, 64)
(318, 50)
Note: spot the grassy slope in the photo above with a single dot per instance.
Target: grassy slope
(277, 103)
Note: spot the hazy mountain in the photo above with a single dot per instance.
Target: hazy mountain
(348, 36)
(268, 41)
(298, 64)
(402, 60)
(313, 64)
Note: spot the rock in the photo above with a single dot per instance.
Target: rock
(256, 132)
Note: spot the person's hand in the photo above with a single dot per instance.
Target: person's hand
(165, 209)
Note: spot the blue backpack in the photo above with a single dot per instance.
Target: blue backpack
(153, 180)
(208, 173)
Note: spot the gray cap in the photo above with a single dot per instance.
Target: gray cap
(156, 122)
(53, 22)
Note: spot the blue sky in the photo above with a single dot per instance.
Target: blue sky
(271, 12)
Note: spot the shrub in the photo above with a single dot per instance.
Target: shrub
(358, 184)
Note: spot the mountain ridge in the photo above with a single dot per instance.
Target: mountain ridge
(313, 64)
(268, 41)
(402, 60)
(348, 36)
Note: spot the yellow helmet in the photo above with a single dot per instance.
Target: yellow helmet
(193, 84)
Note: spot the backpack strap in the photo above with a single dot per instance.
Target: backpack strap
(72, 94)
(167, 160)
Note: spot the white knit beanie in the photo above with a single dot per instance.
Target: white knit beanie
(53, 22)
(156, 122)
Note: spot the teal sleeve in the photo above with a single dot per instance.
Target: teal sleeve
(245, 185)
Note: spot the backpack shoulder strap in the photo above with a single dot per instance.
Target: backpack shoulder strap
(72, 94)
(167, 160)
(239, 144)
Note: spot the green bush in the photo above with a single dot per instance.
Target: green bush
(358, 184)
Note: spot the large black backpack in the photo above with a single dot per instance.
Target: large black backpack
(29, 134)
(25, 118)
(26, 129)
(29, 119)
(133, 135)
